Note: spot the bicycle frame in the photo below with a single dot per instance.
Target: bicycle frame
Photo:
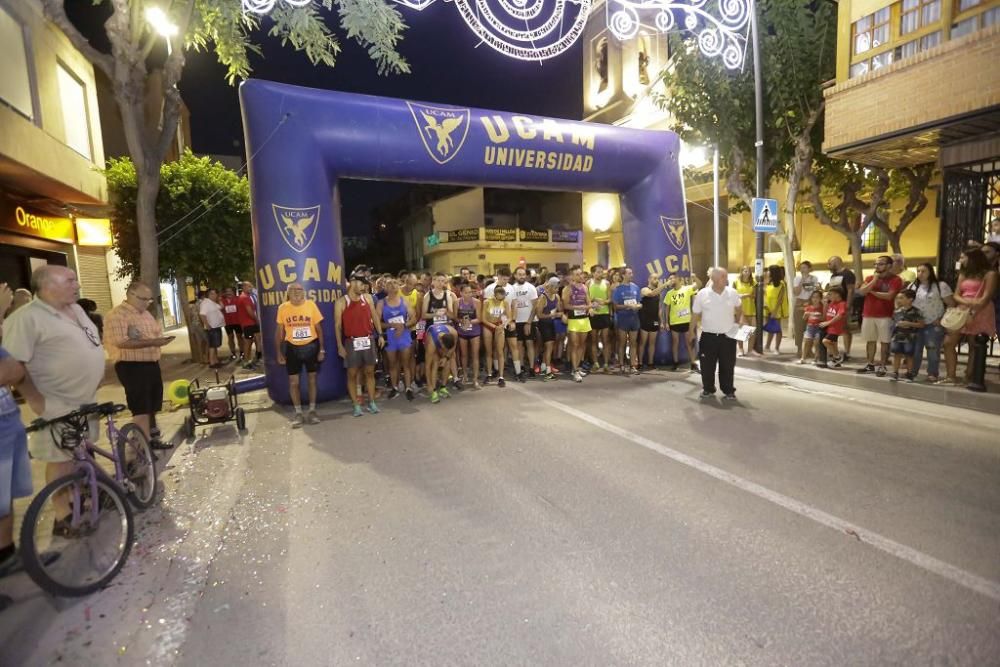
(83, 455)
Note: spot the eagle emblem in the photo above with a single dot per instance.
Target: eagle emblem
(676, 231)
(442, 129)
(297, 225)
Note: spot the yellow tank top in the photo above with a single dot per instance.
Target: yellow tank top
(412, 299)
(749, 305)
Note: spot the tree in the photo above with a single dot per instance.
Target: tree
(204, 211)
(200, 24)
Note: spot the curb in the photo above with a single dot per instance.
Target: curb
(957, 397)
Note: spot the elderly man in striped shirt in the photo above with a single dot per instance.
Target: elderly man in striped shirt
(133, 339)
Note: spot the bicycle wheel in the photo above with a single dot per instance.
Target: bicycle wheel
(138, 466)
(81, 556)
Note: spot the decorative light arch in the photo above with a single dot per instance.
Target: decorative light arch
(543, 29)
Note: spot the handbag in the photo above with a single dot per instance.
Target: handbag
(956, 317)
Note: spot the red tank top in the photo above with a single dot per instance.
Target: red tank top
(357, 320)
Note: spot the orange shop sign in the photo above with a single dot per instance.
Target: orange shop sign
(42, 226)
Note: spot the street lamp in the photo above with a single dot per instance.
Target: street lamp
(600, 215)
(162, 25)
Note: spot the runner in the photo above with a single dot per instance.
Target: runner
(615, 278)
(577, 317)
(440, 342)
(548, 310)
(496, 315)
(678, 301)
(469, 332)
(247, 311)
(415, 300)
(649, 320)
(560, 326)
(626, 299)
(395, 313)
(524, 296)
(234, 332)
(299, 342)
(502, 280)
(356, 322)
(439, 308)
(598, 291)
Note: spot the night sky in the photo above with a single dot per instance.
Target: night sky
(446, 67)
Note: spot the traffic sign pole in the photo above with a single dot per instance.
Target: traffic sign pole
(758, 86)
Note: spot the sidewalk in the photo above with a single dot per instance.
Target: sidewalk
(786, 364)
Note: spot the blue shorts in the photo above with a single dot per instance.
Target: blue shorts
(560, 326)
(904, 347)
(15, 467)
(627, 321)
(813, 333)
(396, 343)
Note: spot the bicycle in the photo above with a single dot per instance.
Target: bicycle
(87, 547)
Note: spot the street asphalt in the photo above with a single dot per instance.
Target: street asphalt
(618, 522)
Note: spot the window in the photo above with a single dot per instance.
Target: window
(967, 4)
(991, 16)
(15, 84)
(75, 116)
(872, 31)
(917, 14)
(872, 239)
(603, 253)
(930, 41)
(857, 69)
(963, 28)
(601, 64)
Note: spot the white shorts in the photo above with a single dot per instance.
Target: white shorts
(876, 329)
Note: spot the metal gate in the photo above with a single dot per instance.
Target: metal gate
(971, 199)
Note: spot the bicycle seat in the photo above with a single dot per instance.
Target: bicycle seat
(89, 407)
(109, 408)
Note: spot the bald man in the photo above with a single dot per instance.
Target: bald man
(717, 309)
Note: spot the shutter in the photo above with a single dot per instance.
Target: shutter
(92, 263)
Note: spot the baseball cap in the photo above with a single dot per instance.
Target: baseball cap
(552, 282)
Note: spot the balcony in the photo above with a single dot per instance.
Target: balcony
(901, 114)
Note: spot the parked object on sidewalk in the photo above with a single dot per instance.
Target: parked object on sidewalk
(213, 404)
(82, 551)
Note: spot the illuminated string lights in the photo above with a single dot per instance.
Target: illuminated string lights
(543, 29)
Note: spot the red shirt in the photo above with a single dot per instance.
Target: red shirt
(832, 310)
(876, 307)
(229, 309)
(357, 319)
(244, 302)
(813, 314)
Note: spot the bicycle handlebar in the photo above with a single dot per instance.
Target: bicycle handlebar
(77, 416)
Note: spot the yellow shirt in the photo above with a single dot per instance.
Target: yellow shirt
(775, 301)
(749, 304)
(300, 322)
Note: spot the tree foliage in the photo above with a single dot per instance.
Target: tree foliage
(203, 220)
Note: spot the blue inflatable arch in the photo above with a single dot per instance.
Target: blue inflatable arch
(301, 141)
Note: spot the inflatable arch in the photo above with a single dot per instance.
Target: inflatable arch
(301, 141)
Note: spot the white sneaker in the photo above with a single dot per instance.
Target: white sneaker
(577, 377)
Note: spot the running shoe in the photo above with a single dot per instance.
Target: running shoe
(894, 377)
(443, 391)
(837, 362)
(312, 417)
(476, 385)
(298, 420)
(532, 372)
(409, 394)
(393, 393)
(706, 394)
(357, 410)
(695, 369)
(635, 371)
(910, 377)
(868, 368)
(500, 382)
(729, 397)
(880, 372)
(519, 376)
(549, 376)
(457, 386)
(536, 370)
(372, 408)
(577, 376)
(434, 397)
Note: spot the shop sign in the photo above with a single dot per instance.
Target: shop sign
(565, 237)
(25, 221)
(468, 234)
(501, 234)
(93, 231)
(537, 235)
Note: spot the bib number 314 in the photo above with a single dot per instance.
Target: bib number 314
(362, 344)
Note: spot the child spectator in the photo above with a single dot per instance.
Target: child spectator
(907, 320)
(834, 327)
(812, 315)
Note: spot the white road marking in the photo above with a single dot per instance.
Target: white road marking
(973, 582)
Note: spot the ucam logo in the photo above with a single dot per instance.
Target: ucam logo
(675, 230)
(297, 225)
(442, 129)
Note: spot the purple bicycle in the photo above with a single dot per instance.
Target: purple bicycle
(78, 531)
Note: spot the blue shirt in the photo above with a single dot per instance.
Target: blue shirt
(624, 292)
(8, 405)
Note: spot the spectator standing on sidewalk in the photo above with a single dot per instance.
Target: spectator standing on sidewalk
(746, 285)
(58, 347)
(234, 332)
(214, 320)
(880, 290)
(840, 276)
(246, 307)
(15, 467)
(907, 321)
(134, 338)
(931, 298)
(803, 285)
(833, 328)
(977, 284)
(717, 308)
(775, 306)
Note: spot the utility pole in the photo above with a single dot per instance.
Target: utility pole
(758, 92)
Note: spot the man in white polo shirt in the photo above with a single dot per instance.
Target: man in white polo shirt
(717, 310)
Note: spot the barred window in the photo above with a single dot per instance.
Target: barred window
(873, 240)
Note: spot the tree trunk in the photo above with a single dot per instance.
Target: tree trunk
(149, 250)
(895, 242)
(855, 240)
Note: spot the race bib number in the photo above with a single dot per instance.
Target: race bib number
(397, 320)
(301, 333)
(440, 319)
(579, 312)
(683, 312)
(231, 309)
(421, 325)
(362, 344)
(466, 325)
(629, 302)
(496, 312)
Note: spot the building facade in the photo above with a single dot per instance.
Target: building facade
(52, 196)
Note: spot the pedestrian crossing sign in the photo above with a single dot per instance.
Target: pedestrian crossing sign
(765, 215)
